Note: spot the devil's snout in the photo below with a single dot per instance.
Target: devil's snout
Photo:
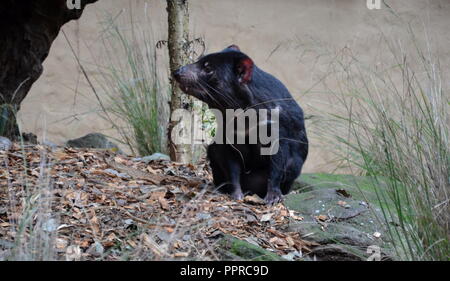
(177, 73)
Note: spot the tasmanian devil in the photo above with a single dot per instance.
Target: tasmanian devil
(229, 80)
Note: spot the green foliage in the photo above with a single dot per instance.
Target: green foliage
(395, 128)
(131, 85)
(35, 223)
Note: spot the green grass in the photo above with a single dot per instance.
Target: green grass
(395, 129)
(33, 223)
(132, 85)
(128, 88)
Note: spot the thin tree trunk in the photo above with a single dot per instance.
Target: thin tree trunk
(178, 43)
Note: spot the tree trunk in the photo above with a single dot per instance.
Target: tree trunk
(178, 43)
(27, 31)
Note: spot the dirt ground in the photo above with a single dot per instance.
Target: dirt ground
(104, 206)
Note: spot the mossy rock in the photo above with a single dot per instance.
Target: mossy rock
(239, 249)
(352, 216)
(94, 140)
(360, 187)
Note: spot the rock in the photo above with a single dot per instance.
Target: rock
(349, 227)
(50, 225)
(343, 233)
(338, 252)
(203, 216)
(233, 248)
(29, 138)
(325, 202)
(292, 256)
(115, 173)
(154, 157)
(5, 144)
(94, 140)
(128, 222)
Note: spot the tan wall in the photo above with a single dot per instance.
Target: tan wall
(289, 38)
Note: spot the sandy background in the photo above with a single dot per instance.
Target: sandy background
(292, 39)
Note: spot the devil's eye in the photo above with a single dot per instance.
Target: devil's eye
(207, 68)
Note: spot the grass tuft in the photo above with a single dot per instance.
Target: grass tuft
(395, 129)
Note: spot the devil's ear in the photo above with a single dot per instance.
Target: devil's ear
(232, 48)
(245, 69)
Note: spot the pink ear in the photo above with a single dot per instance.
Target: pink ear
(245, 70)
(233, 47)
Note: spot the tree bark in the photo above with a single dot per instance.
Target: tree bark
(178, 44)
(27, 31)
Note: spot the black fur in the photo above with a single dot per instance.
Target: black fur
(229, 80)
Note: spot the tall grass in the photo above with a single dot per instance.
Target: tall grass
(32, 220)
(132, 86)
(128, 87)
(395, 128)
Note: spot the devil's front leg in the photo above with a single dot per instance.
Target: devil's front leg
(227, 168)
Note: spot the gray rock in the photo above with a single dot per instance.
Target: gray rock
(154, 157)
(128, 222)
(203, 216)
(30, 138)
(292, 256)
(347, 231)
(94, 140)
(233, 247)
(117, 174)
(50, 225)
(343, 233)
(325, 202)
(338, 252)
(5, 144)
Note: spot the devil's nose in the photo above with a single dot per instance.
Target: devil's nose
(177, 73)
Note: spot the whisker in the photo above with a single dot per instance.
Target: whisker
(233, 102)
(209, 95)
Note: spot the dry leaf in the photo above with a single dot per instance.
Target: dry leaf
(73, 253)
(151, 170)
(343, 192)
(294, 216)
(164, 204)
(322, 217)
(266, 217)
(254, 199)
(290, 241)
(181, 254)
(61, 243)
(152, 245)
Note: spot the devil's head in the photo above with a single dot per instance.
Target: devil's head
(218, 79)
